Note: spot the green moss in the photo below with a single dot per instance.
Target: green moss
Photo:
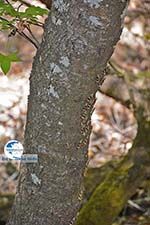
(107, 200)
(6, 201)
(94, 176)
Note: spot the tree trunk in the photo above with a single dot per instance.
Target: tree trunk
(79, 38)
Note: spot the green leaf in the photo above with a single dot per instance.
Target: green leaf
(33, 12)
(5, 66)
(6, 9)
(36, 11)
(4, 25)
(6, 60)
(13, 57)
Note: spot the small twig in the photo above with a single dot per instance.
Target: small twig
(32, 35)
(8, 3)
(136, 206)
(19, 7)
(119, 73)
(39, 24)
(28, 38)
(1, 18)
(20, 33)
(127, 81)
(35, 42)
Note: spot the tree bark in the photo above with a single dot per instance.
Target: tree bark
(79, 39)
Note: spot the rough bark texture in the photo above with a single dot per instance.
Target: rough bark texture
(79, 39)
